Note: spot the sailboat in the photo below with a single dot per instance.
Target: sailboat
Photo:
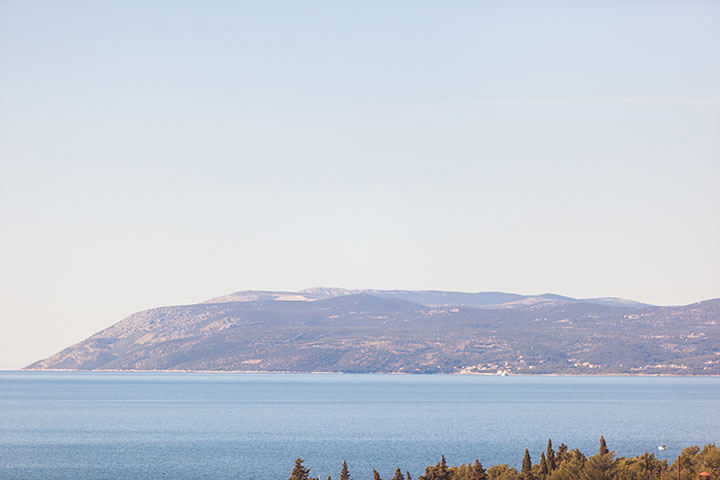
(662, 443)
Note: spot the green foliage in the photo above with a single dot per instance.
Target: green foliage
(477, 471)
(503, 472)
(644, 467)
(562, 454)
(577, 454)
(709, 460)
(692, 461)
(550, 456)
(543, 465)
(526, 465)
(603, 446)
(299, 471)
(442, 470)
(599, 467)
(470, 471)
(569, 469)
(344, 473)
(569, 465)
(439, 471)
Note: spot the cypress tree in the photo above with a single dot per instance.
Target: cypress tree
(477, 472)
(407, 475)
(443, 473)
(439, 471)
(344, 474)
(603, 446)
(376, 475)
(300, 472)
(550, 456)
(543, 464)
(527, 464)
(398, 474)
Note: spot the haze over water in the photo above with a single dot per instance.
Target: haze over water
(66, 425)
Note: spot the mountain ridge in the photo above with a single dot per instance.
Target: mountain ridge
(425, 297)
(337, 330)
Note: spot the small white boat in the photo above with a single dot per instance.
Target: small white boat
(662, 443)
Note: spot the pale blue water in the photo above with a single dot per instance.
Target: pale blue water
(252, 426)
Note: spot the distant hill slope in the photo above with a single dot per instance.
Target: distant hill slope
(336, 330)
(423, 297)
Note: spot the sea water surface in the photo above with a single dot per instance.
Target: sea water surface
(63, 425)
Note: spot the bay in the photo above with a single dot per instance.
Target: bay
(132, 425)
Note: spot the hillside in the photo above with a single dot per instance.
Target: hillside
(336, 330)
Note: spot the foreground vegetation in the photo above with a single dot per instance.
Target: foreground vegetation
(565, 464)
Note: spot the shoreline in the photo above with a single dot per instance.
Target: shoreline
(287, 372)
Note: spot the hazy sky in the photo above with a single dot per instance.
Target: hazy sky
(166, 152)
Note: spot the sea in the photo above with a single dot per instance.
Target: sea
(133, 425)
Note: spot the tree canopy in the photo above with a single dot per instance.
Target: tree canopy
(565, 464)
(299, 471)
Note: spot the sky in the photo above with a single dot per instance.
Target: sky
(166, 152)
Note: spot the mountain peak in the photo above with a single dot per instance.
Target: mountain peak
(327, 292)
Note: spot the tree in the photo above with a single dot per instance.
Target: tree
(502, 472)
(569, 469)
(438, 472)
(543, 464)
(429, 473)
(644, 467)
(603, 446)
(299, 471)
(526, 465)
(344, 474)
(376, 475)
(407, 475)
(443, 473)
(691, 462)
(710, 458)
(599, 467)
(577, 454)
(650, 466)
(562, 454)
(477, 472)
(550, 456)
(398, 475)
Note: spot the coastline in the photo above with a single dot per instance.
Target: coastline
(290, 372)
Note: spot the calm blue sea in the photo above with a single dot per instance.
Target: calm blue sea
(252, 426)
